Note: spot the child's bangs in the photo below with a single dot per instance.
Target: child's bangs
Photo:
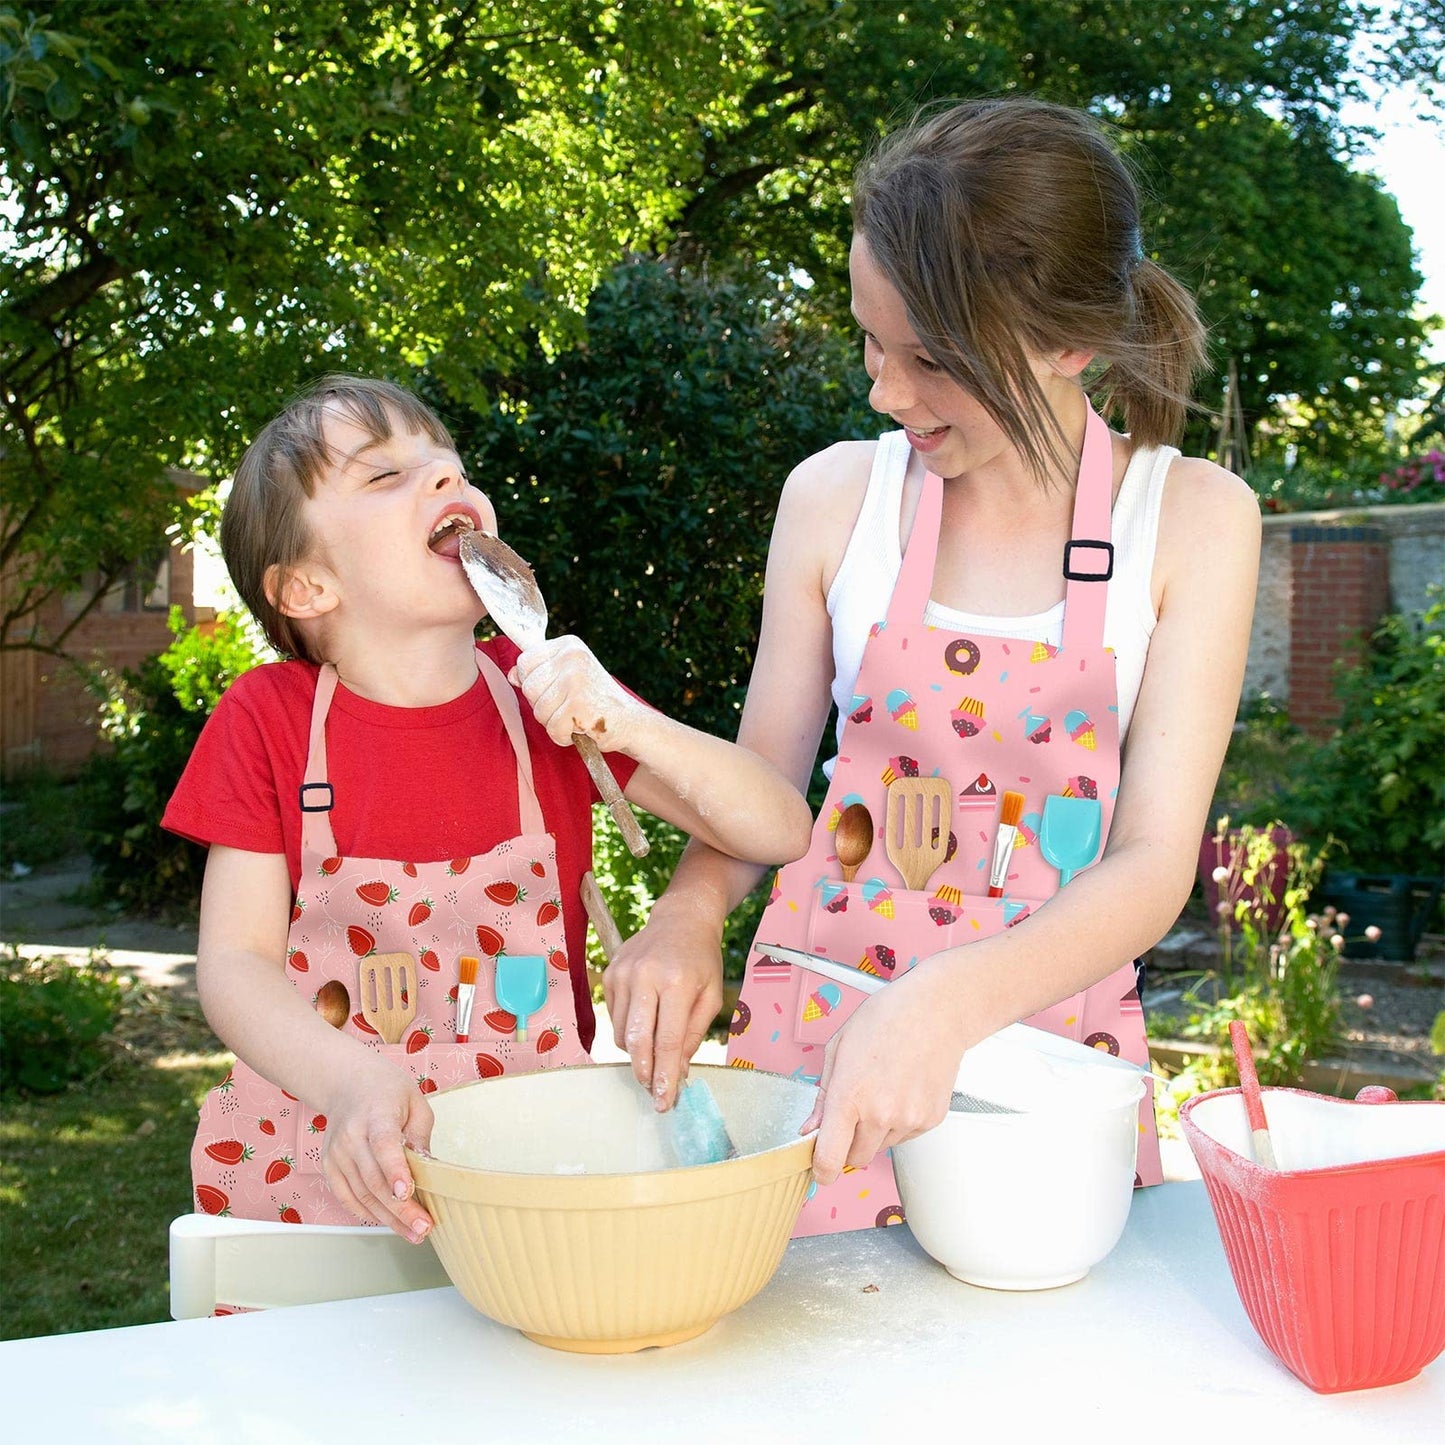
(373, 407)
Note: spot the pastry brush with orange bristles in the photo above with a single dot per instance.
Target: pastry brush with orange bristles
(466, 992)
(1003, 845)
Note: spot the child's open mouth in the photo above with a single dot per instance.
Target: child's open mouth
(445, 539)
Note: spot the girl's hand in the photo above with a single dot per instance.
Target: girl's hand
(571, 692)
(887, 1075)
(372, 1111)
(663, 990)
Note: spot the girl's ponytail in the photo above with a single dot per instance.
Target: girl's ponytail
(1151, 371)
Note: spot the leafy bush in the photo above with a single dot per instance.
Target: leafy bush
(1377, 783)
(632, 885)
(640, 472)
(53, 1015)
(152, 717)
(1278, 970)
(39, 824)
(1267, 754)
(1315, 485)
(1422, 479)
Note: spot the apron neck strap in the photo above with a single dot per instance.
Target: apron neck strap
(1089, 553)
(506, 701)
(915, 577)
(317, 798)
(1088, 556)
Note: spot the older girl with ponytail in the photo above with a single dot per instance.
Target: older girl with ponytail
(1001, 592)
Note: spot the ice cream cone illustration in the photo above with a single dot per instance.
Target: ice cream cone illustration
(1028, 834)
(1081, 729)
(947, 893)
(1043, 651)
(777, 888)
(902, 709)
(822, 1001)
(1014, 913)
(879, 897)
(836, 811)
(829, 891)
(860, 710)
(1037, 728)
(900, 767)
(1081, 787)
(967, 718)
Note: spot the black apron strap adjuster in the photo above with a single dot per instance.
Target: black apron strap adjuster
(1107, 548)
(325, 807)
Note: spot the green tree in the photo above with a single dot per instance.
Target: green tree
(639, 472)
(1231, 113)
(208, 204)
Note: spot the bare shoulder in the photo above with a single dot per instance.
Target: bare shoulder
(820, 504)
(1200, 492)
(1207, 512)
(832, 476)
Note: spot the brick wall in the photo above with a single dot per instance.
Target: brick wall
(49, 719)
(1341, 590)
(1292, 632)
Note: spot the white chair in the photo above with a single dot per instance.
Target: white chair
(264, 1264)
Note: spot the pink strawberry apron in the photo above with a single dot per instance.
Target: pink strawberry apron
(988, 714)
(257, 1152)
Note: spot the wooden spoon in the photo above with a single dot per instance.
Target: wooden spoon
(508, 587)
(333, 1003)
(1253, 1096)
(853, 840)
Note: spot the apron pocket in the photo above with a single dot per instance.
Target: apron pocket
(885, 931)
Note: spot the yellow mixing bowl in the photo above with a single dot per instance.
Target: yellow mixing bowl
(556, 1210)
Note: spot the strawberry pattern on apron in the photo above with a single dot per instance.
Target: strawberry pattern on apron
(257, 1151)
(989, 715)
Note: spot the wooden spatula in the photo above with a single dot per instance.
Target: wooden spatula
(388, 993)
(916, 838)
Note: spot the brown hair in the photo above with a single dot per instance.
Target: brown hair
(262, 525)
(1011, 226)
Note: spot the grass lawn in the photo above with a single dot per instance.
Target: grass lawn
(91, 1178)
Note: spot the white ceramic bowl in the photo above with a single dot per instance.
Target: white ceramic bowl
(1033, 1199)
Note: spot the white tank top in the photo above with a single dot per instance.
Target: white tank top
(861, 591)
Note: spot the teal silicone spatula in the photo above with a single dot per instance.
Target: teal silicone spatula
(1069, 833)
(693, 1130)
(521, 986)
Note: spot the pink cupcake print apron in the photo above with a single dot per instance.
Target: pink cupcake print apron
(988, 715)
(257, 1152)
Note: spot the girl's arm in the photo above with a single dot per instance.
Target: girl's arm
(664, 988)
(258, 1014)
(725, 795)
(891, 1067)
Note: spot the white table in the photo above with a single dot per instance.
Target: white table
(1152, 1345)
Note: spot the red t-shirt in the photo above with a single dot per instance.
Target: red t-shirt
(418, 784)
